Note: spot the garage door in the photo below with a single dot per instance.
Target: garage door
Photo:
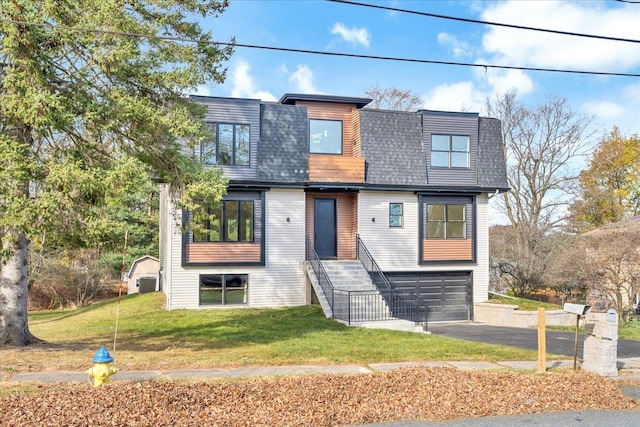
(448, 295)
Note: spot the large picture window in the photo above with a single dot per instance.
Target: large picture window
(231, 221)
(227, 144)
(325, 136)
(446, 221)
(223, 289)
(450, 151)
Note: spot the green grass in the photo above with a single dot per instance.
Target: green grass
(524, 303)
(149, 337)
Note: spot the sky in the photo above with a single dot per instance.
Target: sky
(335, 27)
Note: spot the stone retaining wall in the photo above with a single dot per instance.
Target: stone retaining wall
(511, 315)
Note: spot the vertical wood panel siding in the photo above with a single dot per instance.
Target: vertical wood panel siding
(346, 229)
(240, 111)
(357, 140)
(447, 250)
(330, 111)
(452, 124)
(393, 248)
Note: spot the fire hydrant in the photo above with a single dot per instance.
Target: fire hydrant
(102, 368)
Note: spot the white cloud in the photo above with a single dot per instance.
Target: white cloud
(354, 35)
(455, 97)
(604, 109)
(459, 48)
(202, 90)
(539, 49)
(502, 81)
(303, 80)
(243, 85)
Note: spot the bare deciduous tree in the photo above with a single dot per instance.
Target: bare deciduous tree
(393, 99)
(540, 145)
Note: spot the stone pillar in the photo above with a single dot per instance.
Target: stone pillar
(601, 343)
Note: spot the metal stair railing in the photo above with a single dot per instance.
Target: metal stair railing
(363, 254)
(403, 305)
(321, 275)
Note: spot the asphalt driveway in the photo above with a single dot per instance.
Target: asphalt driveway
(558, 342)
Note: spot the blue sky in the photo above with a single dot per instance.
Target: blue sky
(334, 27)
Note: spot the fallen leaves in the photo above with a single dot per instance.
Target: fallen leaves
(318, 400)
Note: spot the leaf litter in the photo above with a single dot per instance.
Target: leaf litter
(416, 393)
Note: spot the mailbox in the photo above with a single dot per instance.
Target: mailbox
(578, 309)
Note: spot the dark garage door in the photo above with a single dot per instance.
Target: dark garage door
(448, 295)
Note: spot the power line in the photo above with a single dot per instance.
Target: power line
(318, 52)
(477, 21)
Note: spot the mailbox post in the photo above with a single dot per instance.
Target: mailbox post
(601, 343)
(579, 310)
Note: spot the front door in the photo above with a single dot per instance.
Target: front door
(324, 228)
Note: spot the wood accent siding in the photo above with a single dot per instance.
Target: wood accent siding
(447, 249)
(334, 168)
(204, 252)
(330, 111)
(357, 140)
(345, 218)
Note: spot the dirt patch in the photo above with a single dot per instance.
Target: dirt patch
(318, 400)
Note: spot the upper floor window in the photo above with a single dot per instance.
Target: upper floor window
(395, 214)
(446, 221)
(231, 221)
(228, 144)
(450, 151)
(325, 136)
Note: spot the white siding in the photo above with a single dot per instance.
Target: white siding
(393, 248)
(481, 270)
(279, 283)
(396, 249)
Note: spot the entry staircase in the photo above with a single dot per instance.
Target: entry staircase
(361, 296)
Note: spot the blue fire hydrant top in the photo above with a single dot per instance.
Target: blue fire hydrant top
(102, 356)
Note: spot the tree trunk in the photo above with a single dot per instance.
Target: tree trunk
(14, 286)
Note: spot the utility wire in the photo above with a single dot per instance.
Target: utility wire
(477, 21)
(318, 52)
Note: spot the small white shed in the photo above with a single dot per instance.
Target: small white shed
(143, 275)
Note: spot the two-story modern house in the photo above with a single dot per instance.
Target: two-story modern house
(317, 182)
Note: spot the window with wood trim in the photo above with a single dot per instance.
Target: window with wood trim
(446, 221)
(230, 221)
(450, 151)
(325, 136)
(226, 144)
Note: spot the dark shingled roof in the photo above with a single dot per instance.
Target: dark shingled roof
(284, 143)
(492, 168)
(392, 147)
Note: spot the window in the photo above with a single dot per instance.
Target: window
(395, 214)
(223, 289)
(325, 136)
(450, 151)
(446, 222)
(231, 221)
(228, 144)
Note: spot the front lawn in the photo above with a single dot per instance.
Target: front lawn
(523, 303)
(149, 337)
